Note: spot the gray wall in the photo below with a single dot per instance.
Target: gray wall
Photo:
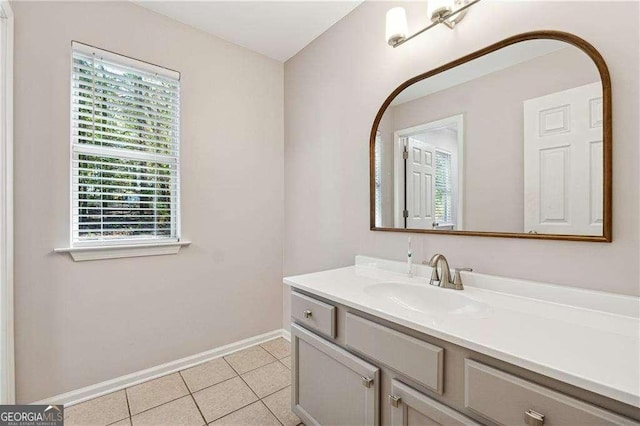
(333, 89)
(78, 324)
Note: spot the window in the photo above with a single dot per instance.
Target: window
(444, 189)
(125, 146)
(378, 179)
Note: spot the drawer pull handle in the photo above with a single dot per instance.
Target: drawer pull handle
(367, 382)
(307, 313)
(533, 418)
(394, 400)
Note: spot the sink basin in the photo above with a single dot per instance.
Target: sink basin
(429, 300)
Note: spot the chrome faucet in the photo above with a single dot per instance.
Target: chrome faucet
(441, 274)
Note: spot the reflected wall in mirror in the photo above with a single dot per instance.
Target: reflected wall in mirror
(513, 140)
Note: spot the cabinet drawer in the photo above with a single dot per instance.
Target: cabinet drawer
(411, 408)
(314, 314)
(505, 399)
(330, 386)
(420, 361)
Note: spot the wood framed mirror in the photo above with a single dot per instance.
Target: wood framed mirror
(513, 140)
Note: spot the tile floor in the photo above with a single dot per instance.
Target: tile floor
(251, 387)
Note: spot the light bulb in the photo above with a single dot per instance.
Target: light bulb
(437, 9)
(396, 30)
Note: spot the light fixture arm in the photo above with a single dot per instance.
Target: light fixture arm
(444, 19)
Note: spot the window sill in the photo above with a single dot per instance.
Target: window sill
(81, 254)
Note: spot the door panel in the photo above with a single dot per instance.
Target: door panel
(412, 408)
(330, 386)
(563, 162)
(420, 184)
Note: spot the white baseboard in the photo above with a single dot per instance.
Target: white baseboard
(286, 334)
(103, 388)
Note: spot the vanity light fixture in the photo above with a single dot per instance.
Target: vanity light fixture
(447, 12)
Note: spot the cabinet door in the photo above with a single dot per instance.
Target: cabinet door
(330, 386)
(412, 408)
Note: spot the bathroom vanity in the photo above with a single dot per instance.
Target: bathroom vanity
(372, 346)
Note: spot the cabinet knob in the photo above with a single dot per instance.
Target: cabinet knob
(533, 418)
(394, 400)
(307, 313)
(367, 382)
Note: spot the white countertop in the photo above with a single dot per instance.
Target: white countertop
(585, 338)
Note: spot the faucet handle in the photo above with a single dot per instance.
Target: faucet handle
(457, 279)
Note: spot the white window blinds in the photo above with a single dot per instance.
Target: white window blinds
(125, 145)
(378, 179)
(443, 189)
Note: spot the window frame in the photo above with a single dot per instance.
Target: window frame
(126, 246)
(7, 356)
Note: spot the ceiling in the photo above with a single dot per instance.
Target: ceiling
(277, 29)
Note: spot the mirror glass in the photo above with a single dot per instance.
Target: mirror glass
(510, 142)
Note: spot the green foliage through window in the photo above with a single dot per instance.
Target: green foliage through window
(125, 134)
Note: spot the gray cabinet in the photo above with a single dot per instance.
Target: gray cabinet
(418, 379)
(506, 399)
(330, 386)
(314, 314)
(420, 361)
(412, 408)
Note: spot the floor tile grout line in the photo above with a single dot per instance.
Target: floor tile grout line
(288, 366)
(164, 403)
(268, 408)
(185, 382)
(237, 409)
(126, 396)
(231, 412)
(253, 369)
(272, 362)
(215, 384)
(259, 399)
(251, 389)
(229, 364)
(117, 421)
(237, 374)
(268, 395)
(247, 384)
(272, 413)
(268, 353)
(192, 397)
(271, 353)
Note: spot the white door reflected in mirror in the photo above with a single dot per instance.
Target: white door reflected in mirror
(428, 191)
(563, 162)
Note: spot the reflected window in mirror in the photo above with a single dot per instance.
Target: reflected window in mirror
(378, 168)
(444, 193)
